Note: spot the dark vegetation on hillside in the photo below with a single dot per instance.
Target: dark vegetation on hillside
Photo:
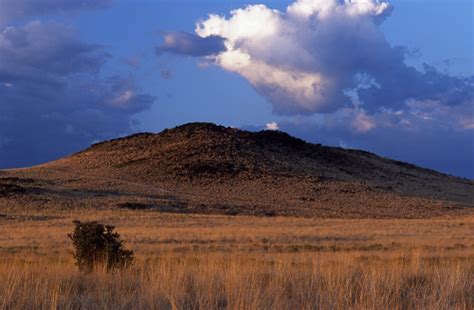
(206, 168)
(200, 150)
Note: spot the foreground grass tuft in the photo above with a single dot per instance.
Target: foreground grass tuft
(97, 244)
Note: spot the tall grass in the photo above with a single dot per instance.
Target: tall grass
(217, 262)
(244, 281)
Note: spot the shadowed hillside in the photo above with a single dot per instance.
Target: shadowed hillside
(205, 168)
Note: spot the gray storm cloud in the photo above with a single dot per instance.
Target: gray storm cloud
(53, 99)
(190, 44)
(18, 9)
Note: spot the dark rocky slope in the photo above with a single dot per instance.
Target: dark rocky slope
(210, 168)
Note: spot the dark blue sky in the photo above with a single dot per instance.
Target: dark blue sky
(392, 77)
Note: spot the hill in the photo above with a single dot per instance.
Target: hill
(205, 168)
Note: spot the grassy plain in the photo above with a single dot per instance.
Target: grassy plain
(237, 262)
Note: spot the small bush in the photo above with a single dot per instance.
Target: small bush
(98, 244)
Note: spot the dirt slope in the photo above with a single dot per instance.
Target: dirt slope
(205, 168)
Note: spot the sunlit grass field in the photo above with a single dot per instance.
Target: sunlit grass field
(222, 262)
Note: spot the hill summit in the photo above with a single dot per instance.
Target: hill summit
(206, 150)
(203, 167)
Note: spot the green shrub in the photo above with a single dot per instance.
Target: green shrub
(98, 244)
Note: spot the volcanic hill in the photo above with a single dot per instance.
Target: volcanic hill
(205, 168)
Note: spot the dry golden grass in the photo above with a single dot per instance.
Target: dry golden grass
(211, 262)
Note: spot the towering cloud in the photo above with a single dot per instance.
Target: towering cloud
(302, 59)
(328, 56)
(53, 100)
(328, 70)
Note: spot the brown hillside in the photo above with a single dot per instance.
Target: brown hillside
(206, 168)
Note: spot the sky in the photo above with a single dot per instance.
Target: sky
(391, 77)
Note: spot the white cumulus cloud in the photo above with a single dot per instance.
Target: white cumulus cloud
(330, 58)
(304, 58)
(272, 126)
